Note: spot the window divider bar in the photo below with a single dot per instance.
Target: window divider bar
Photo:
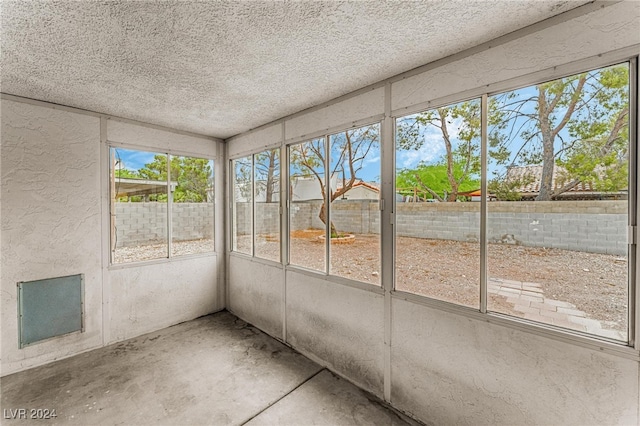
(483, 201)
(327, 200)
(253, 205)
(387, 235)
(169, 207)
(632, 255)
(284, 227)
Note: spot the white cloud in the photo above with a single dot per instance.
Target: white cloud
(432, 148)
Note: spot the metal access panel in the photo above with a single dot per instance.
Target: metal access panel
(49, 308)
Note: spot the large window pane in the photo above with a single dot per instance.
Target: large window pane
(557, 219)
(437, 203)
(355, 212)
(192, 205)
(138, 181)
(242, 220)
(267, 204)
(307, 215)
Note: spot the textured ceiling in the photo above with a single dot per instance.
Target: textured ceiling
(221, 68)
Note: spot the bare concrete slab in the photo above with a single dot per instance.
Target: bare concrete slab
(326, 399)
(214, 370)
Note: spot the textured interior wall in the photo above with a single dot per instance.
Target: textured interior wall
(339, 326)
(255, 141)
(362, 106)
(256, 294)
(448, 369)
(143, 298)
(151, 297)
(599, 32)
(159, 140)
(50, 220)
(53, 210)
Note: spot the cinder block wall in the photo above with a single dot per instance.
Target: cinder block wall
(145, 223)
(591, 226)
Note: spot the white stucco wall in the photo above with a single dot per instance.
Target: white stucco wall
(256, 294)
(603, 31)
(54, 217)
(442, 364)
(255, 141)
(51, 220)
(147, 298)
(340, 327)
(448, 369)
(352, 109)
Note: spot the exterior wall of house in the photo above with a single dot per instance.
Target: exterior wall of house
(446, 364)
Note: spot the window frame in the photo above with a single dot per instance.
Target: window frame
(628, 350)
(232, 204)
(326, 137)
(110, 144)
(633, 272)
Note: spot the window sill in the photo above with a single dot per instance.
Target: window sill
(151, 262)
(593, 342)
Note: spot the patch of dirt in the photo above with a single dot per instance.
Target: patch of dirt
(159, 251)
(450, 270)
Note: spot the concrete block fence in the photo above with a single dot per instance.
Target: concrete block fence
(590, 226)
(146, 223)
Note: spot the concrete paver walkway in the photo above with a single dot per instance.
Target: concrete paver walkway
(529, 299)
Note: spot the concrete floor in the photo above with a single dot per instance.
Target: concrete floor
(214, 370)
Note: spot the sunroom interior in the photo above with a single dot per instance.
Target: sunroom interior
(434, 201)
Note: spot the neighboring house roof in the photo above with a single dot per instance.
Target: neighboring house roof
(127, 187)
(307, 188)
(531, 176)
(363, 184)
(474, 193)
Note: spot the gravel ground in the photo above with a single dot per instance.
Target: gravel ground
(449, 270)
(159, 251)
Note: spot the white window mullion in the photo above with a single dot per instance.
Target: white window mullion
(169, 205)
(634, 278)
(483, 201)
(327, 198)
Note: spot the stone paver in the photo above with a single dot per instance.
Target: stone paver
(528, 298)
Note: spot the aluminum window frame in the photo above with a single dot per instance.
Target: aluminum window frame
(278, 151)
(111, 144)
(232, 205)
(633, 272)
(326, 137)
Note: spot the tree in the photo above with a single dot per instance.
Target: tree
(437, 176)
(194, 176)
(267, 166)
(458, 128)
(578, 122)
(348, 152)
(126, 174)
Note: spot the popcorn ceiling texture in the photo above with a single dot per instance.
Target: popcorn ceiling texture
(221, 68)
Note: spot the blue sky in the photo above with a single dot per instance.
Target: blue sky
(132, 160)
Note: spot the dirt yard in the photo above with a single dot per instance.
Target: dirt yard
(450, 270)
